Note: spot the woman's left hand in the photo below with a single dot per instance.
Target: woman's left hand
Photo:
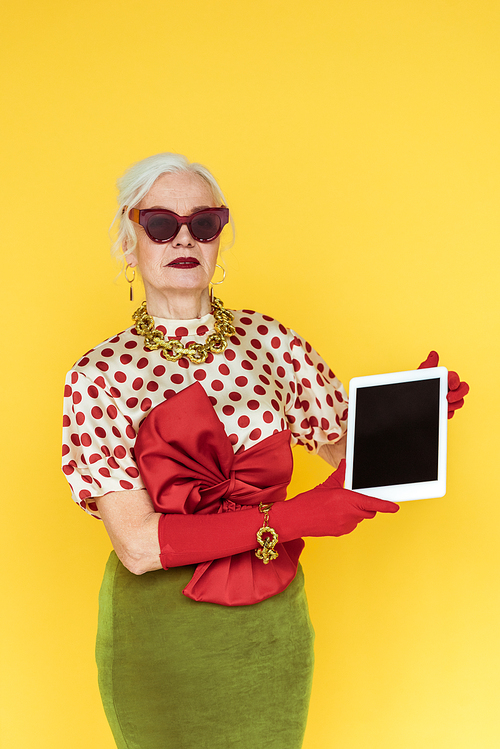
(457, 390)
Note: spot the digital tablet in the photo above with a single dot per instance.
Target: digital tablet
(396, 435)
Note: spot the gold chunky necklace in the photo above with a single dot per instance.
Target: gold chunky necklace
(174, 350)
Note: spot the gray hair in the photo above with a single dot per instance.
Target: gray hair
(137, 182)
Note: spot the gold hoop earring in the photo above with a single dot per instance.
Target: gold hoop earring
(217, 283)
(130, 281)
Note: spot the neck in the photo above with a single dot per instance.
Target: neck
(181, 304)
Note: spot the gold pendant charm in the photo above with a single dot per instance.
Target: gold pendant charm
(267, 553)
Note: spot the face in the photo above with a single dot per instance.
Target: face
(182, 265)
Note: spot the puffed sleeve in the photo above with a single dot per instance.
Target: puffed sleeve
(98, 442)
(317, 411)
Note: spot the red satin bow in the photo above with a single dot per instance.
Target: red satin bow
(188, 465)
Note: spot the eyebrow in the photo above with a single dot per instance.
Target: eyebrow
(195, 209)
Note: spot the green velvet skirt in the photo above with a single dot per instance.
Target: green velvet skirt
(174, 672)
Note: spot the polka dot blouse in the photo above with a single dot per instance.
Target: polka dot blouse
(268, 379)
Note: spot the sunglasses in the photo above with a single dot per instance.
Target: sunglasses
(161, 225)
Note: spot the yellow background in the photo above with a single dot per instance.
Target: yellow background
(358, 145)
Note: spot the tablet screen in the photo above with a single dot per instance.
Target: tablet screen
(396, 434)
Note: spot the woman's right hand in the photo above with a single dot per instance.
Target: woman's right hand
(329, 509)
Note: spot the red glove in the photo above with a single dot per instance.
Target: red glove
(326, 510)
(457, 390)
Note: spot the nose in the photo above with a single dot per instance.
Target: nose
(183, 238)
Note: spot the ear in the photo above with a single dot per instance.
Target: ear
(130, 258)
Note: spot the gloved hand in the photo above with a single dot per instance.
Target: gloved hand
(326, 510)
(457, 390)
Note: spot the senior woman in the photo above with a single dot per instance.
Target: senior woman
(177, 435)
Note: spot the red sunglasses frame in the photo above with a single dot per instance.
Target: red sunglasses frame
(142, 216)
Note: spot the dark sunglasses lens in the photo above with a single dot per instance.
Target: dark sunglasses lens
(205, 226)
(162, 226)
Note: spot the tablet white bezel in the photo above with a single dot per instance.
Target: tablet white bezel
(401, 492)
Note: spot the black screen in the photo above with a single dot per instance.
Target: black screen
(397, 434)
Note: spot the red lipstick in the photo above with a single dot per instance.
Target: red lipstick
(184, 262)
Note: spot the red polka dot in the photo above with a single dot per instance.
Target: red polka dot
(253, 405)
(87, 479)
(152, 386)
(84, 361)
(245, 320)
(241, 332)
(306, 383)
(287, 357)
(217, 385)
(234, 396)
(329, 400)
(333, 436)
(100, 381)
(233, 439)
(224, 369)
(80, 418)
(103, 366)
(116, 432)
(120, 376)
(229, 354)
(275, 342)
(255, 434)
(115, 339)
(68, 470)
(252, 355)
(177, 379)
(256, 343)
(210, 358)
(304, 424)
(235, 341)
(132, 402)
(77, 398)
(105, 451)
(137, 383)
(267, 318)
(320, 380)
(86, 439)
(159, 370)
(259, 390)
(100, 432)
(119, 452)
(264, 379)
(331, 374)
(201, 330)
(126, 484)
(246, 364)
(130, 344)
(114, 392)
(275, 405)
(75, 439)
(212, 400)
(305, 406)
(162, 329)
(125, 358)
(112, 412)
(132, 472)
(268, 417)
(95, 457)
(228, 410)
(74, 378)
(243, 421)
(344, 415)
(179, 332)
(278, 384)
(262, 329)
(65, 450)
(184, 363)
(146, 404)
(270, 357)
(169, 394)
(142, 363)
(267, 369)
(107, 352)
(296, 365)
(338, 396)
(112, 463)
(199, 374)
(130, 432)
(84, 494)
(241, 381)
(67, 391)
